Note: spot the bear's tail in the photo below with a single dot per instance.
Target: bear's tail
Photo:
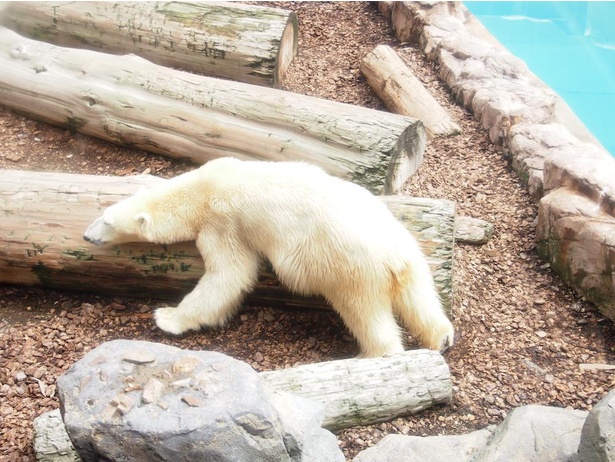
(418, 307)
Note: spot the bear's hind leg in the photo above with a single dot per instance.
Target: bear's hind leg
(373, 325)
(217, 296)
(419, 308)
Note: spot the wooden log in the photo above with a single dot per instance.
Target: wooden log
(45, 215)
(134, 102)
(403, 93)
(366, 391)
(248, 43)
(352, 391)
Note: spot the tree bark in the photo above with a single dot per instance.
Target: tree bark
(45, 215)
(365, 391)
(128, 100)
(248, 43)
(403, 93)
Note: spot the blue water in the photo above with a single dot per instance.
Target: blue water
(570, 46)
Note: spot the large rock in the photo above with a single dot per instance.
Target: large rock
(535, 434)
(473, 231)
(578, 238)
(529, 434)
(400, 448)
(134, 400)
(51, 442)
(576, 220)
(529, 144)
(598, 434)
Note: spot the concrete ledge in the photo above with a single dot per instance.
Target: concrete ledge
(557, 158)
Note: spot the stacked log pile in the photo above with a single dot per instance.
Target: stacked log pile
(134, 102)
(139, 100)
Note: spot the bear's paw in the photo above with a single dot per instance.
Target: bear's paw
(168, 320)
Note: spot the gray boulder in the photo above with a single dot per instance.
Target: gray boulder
(598, 434)
(51, 442)
(535, 434)
(529, 434)
(400, 448)
(134, 400)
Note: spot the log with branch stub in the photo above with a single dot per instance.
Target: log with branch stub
(128, 100)
(45, 215)
(403, 93)
(248, 43)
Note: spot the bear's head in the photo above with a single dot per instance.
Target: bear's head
(126, 221)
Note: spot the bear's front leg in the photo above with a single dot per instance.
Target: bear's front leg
(230, 272)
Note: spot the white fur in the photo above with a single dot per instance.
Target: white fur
(321, 234)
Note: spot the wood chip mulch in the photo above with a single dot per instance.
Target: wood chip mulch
(521, 334)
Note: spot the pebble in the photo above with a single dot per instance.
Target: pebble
(14, 156)
(184, 383)
(185, 365)
(192, 400)
(152, 391)
(268, 316)
(139, 357)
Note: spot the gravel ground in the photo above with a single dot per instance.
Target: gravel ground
(521, 334)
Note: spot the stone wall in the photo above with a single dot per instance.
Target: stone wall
(563, 166)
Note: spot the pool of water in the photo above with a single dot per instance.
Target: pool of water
(570, 46)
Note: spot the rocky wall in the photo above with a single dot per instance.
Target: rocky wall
(564, 168)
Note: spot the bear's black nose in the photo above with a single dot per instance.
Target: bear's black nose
(93, 241)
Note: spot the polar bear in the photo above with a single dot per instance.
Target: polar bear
(322, 235)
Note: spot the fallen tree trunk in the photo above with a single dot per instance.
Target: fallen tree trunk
(365, 391)
(46, 214)
(403, 93)
(248, 43)
(352, 391)
(131, 101)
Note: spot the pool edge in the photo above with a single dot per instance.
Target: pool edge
(564, 114)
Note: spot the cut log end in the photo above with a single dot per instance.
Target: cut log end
(407, 159)
(288, 49)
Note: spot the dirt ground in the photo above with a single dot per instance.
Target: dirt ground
(521, 334)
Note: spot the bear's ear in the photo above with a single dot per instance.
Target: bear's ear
(144, 219)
